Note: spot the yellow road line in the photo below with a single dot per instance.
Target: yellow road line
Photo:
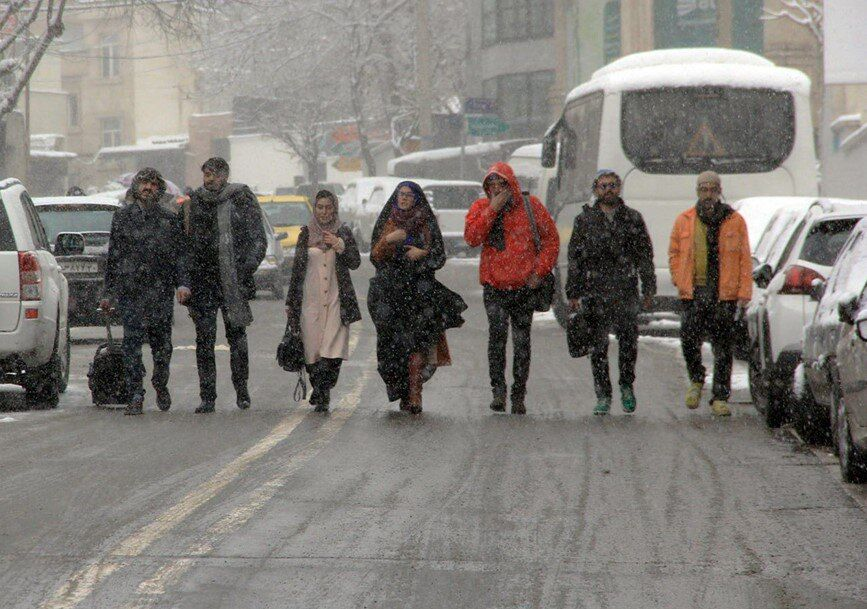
(84, 581)
(171, 573)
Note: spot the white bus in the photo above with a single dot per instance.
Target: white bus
(660, 118)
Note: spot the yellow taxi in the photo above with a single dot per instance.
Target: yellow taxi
(287, 213)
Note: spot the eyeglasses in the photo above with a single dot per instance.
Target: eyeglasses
(408, 195)
(608, 186)
(709, 189)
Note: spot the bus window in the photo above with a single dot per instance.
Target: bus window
(686, 130)
(579, 148)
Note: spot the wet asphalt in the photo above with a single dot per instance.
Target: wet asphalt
(459, 507)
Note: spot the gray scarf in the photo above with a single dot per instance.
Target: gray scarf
(238, 311)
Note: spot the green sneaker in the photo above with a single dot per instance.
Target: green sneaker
(627, 399)
(693, 395)
(603, 405)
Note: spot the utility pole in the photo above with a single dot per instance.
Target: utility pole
(424, 74)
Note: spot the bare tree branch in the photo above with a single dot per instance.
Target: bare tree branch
(809, 13)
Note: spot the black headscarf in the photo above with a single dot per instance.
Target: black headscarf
(436, 259)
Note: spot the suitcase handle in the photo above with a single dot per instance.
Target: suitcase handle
(107, 316)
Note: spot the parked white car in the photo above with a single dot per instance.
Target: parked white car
(34, 333)
(803, 253)
(834, 362)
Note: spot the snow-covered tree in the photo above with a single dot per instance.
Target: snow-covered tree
(808, 13)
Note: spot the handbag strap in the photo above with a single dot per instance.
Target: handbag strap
(300, 392)
(537, 240)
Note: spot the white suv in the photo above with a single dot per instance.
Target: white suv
(784, 304)
(34, 335)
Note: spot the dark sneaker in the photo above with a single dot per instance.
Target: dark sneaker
(627, 399)
(164, 398)
(518, 406)
(320, 408)
(498, 404)
(243, 399)
(315, 397)
(603, 405)
(206, 407)
(136, 406)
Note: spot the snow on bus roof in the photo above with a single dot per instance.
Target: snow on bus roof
(672, 68)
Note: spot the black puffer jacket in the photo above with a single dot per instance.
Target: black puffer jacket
(349, 260)
(606, 259)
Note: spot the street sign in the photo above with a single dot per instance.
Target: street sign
(480, 105)
(482, 125)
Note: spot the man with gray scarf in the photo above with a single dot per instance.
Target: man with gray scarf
(226, 244)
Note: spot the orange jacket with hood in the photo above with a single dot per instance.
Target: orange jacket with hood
(510, 268)
(735, 261)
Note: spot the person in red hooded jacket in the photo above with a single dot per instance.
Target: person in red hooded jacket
(510, 268)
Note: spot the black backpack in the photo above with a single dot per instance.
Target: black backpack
(106, 376)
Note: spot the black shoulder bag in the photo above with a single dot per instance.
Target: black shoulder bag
(290, 357)
(541, 298)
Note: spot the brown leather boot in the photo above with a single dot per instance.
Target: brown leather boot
(416, 363)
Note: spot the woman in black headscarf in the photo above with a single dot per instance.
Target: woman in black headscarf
(410, 308)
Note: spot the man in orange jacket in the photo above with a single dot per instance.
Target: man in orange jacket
(510, 268)
(710, 263)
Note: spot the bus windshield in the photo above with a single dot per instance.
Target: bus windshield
(686, 130)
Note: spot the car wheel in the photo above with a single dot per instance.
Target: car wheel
(853, 462)
(810, 420)
(66, 358)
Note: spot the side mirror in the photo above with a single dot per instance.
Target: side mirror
(281, 236)
(69, 244)
(762, 276)
(861, 325)
(817, 290)
(549, 151)
(846, 310)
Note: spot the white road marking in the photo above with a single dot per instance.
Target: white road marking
(8, 420)
(84, 581)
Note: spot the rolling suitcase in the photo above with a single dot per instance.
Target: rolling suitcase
(106, 377)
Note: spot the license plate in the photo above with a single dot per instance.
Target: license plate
(76, 266)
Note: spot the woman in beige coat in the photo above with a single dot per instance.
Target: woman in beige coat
(321, 301)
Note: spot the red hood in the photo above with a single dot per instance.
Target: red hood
(505, 171)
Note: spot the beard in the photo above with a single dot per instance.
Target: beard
(147, 198)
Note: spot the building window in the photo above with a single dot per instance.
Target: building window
(748, 29)
(513, 20)
(109, 52)
(523, 101)
(72, 40)
(111, 132)
(685, 23)
(611, 48)
(74, 110)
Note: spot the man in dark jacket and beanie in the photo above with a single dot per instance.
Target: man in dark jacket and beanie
(610, 250)
(226, 243)
(711, 266)
(146, 262)
(509, 270)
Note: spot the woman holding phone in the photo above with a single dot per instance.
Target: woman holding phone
(410, 309)
(321, 301)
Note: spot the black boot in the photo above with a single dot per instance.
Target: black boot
(243, 399)
(206, 407)
(498, 404)
(164, 398)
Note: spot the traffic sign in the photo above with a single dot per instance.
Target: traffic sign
(480, 105)
(481, 125)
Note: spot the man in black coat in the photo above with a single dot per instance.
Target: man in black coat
(226, 243)
(146, 262)
(609, 251)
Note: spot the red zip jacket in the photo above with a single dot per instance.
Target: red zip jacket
(511, 268)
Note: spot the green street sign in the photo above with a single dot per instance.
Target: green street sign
(481, 125)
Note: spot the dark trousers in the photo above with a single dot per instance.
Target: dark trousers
(205, 320)
(158, 333)
(621, 318)
(706, 317)
(505, 308)
(324, 374)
